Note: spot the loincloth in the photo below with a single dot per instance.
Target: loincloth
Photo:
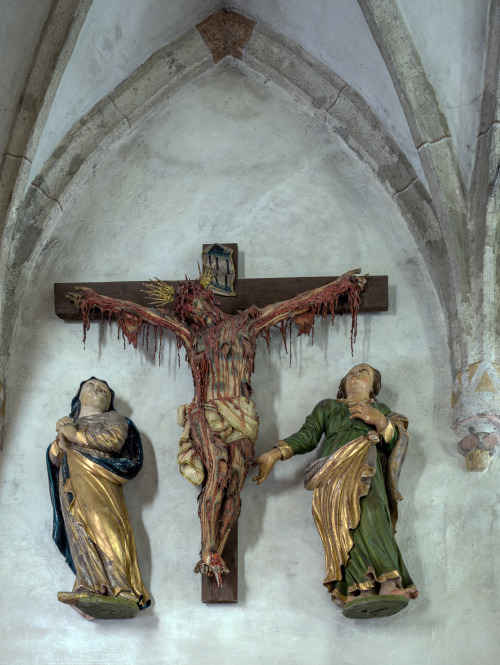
(230, 420)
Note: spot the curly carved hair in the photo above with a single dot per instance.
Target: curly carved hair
(377, 384)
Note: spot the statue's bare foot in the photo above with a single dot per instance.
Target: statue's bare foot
(213, 566)
(390, 588)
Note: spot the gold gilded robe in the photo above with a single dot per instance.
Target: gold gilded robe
(96, 521)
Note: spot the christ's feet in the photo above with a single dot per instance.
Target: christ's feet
(212, 565)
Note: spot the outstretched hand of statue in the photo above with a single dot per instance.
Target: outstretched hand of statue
(265, 462)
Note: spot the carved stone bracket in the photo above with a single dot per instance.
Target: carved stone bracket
(226, 33)
(476, 413)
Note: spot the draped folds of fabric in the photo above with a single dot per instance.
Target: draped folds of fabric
(228, 419)
(354, 484)
(338, 483)
(91, 524)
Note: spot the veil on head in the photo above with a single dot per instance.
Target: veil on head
(76, 404)
(126, 464)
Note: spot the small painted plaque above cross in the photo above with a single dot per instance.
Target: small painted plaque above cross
(221, 260)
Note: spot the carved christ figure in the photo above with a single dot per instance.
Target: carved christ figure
(221, 423)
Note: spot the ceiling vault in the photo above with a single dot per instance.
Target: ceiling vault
(456, 230)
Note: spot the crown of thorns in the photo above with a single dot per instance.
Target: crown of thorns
(161, 294)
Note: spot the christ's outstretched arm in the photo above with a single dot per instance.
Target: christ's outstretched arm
(303, 307)
(130, 316)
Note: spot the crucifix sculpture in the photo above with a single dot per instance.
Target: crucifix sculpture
(220, 424)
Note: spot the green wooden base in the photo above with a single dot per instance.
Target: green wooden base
(371, 607)
(95, 606)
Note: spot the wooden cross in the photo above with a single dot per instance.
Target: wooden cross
(260, 292)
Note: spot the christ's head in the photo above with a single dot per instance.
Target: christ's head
(196, 305)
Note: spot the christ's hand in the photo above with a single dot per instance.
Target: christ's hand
(76, 298)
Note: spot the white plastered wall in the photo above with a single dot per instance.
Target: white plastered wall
(117, 37)
(230, 159)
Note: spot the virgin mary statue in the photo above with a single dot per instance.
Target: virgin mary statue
(95, 452)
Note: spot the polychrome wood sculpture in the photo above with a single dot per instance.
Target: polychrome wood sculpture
(355, 493)
(95, 452)
(220, 424)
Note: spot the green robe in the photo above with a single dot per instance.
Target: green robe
(374, 556)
